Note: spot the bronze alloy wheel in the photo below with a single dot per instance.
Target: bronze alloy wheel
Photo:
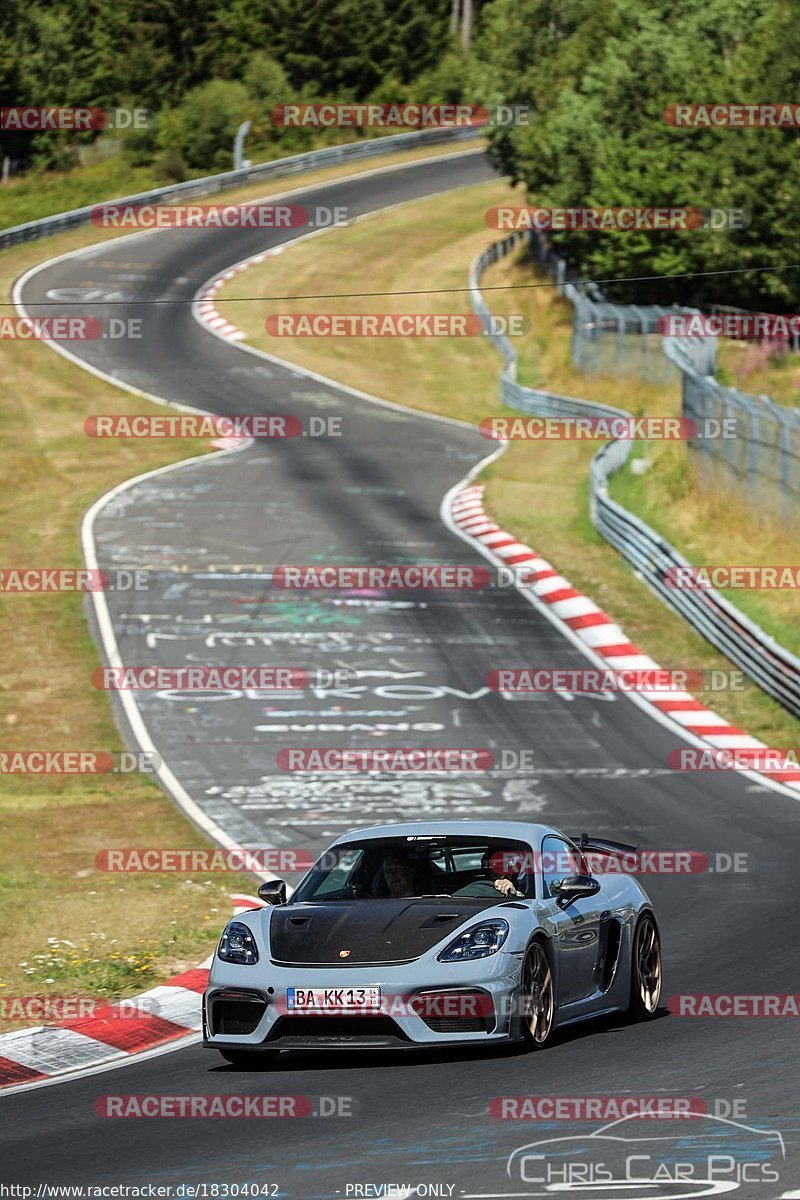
(538, 1005)
(645, 969)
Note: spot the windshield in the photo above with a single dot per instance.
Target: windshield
(421, 866)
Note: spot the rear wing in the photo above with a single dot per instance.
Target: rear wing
(599, 845)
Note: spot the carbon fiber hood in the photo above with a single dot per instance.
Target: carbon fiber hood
(372, 931)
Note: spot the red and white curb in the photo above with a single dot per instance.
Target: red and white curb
(205, 304)
(597, 631)
(116, 1031)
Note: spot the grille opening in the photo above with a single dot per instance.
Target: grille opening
(236, 1015)
(459, 1024)
(455, 1011)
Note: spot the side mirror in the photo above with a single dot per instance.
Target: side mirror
(273, 892)
(574, 887)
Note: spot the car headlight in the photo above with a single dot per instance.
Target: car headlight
(478, 942)
(237, 945)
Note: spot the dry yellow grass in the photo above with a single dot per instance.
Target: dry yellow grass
(705, 512)
(760, 369)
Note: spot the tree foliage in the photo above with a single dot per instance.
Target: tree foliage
(155, 54)
(599, 74)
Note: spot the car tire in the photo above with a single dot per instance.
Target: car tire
(537, 996)
(646, 970)
(250, 1060)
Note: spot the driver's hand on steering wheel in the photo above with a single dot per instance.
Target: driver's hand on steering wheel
(506, 888)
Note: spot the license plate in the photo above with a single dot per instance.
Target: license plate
(333, 998)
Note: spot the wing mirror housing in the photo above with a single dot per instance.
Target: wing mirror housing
(273, 891)
(575, 887)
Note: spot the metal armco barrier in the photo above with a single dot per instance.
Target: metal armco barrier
(770, 665)
(295, 165)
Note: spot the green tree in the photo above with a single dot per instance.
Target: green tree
(599, 77)
(201, 128)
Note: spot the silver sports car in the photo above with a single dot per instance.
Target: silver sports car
(436, 933)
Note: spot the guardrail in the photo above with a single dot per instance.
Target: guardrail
(770, 665)
(294, 165)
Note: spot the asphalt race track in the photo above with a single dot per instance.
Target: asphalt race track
(207, 532)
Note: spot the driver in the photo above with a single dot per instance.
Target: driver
(501, 867)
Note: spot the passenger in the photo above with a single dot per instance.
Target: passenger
(398, 872)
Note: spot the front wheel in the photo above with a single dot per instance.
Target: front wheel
(645, 970)
(250, 1060)
(538, 1002)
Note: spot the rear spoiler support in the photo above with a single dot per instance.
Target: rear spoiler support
(588, 844)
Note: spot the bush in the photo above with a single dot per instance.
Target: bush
(201, 129)
(170, 167)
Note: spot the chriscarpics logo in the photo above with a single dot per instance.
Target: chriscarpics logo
(638, 1157)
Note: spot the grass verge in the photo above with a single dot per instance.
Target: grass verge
(760, 369)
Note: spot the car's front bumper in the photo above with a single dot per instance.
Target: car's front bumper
(478, 1005)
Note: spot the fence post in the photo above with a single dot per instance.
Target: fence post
(786, 489)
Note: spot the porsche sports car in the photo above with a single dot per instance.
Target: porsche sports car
(436, 933)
